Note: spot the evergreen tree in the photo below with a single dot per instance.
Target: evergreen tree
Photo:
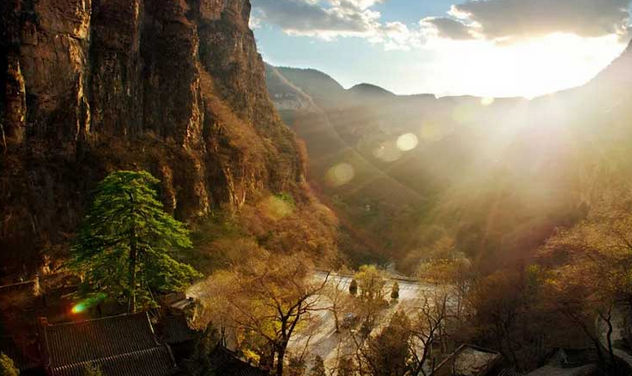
(125, 244)
(395, 291)
(389, 352)
(7, 367)
(353, 287)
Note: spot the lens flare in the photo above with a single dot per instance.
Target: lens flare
(83, 305)
(407, 142)
(340, 174)
(78, 308)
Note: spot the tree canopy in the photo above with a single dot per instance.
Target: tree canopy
(591, 264)
(265, 299)
(126, 243)
(371, 298)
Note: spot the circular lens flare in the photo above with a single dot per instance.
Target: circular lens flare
(407, 142)
(340, 174)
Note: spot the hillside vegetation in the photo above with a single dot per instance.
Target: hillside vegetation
(172, 87)
(494, 177)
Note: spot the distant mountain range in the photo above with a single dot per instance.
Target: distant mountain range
(494, 176)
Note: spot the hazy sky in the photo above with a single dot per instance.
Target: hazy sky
(446, 47)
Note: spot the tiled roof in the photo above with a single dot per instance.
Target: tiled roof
(176, 330)
(119, 345)
(156, 361)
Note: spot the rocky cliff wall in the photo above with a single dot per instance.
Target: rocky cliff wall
(88, 86)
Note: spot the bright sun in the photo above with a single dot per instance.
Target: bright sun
(560, 59)
(526, 68)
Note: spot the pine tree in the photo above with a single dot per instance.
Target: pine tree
(125, 244)
(395, 291)
(353, 287)
(7, 367)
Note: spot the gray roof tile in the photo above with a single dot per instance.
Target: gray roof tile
(124, 345)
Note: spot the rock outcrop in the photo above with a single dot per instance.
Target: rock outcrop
(172, 86)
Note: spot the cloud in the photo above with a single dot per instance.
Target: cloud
(499, 21)
(398, 36)
(447, 28)
(254, 22)
(355, 4)
(310, 18)
(510, 20)
(330, 19)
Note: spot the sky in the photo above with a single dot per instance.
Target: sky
(488, 48)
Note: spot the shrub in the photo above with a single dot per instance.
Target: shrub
(395, 291)
(353, 287)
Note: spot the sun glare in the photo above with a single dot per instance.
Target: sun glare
(527, 68)
(488, 101)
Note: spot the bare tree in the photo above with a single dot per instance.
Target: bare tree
(429, 324)
(266, 297)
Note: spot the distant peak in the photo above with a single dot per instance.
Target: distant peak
(370, 89)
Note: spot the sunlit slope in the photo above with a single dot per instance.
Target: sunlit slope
(345, 178)
(495, 175)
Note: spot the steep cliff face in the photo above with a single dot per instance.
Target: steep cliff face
(173, 86)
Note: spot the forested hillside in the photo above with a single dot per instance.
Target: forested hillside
(493, 177)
